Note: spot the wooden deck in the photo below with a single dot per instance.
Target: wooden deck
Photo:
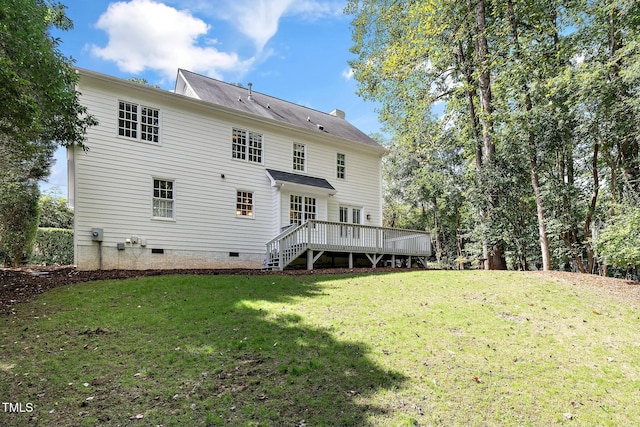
(314, 238)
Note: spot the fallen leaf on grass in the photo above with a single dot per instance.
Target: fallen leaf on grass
(137, 417)
(596, 312)
(477, 379)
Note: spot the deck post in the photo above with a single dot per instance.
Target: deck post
(311, 258)
(409, 262)
(374, 258)
(393, 261)
(350, 259)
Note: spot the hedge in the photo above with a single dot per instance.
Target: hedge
(53, 246)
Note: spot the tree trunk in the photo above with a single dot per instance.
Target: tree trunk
(533, 163)
(495, 255)
(542, 228)
(484, 79)
(592, 208)
(629, 148)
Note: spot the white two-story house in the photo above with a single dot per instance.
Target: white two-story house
(214, 175)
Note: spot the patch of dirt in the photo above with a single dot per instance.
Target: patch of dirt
(625, 290)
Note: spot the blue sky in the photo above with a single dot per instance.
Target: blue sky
(297, 50)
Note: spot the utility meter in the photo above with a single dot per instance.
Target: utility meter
(96, 234)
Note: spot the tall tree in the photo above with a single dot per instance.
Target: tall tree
(412, 56)
(41, 108)
(549, 87)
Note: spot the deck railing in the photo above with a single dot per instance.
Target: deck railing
(343, 237)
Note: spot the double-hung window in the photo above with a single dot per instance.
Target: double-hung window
(138, 122)
(341, 166)
(302, 209)
(246, 145)
(244, 204)
(299, 157)
(163, 199)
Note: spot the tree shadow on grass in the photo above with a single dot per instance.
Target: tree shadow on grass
(279, 370)
(181, 350)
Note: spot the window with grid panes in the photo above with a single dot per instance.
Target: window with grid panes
(302, 209)
(296, 210)
(138, 122)
(244, 204)
(255, 147)
(163, 199)
(341, 166)
(309, 208)
(149, 124)
(299, 162)
(246, 146)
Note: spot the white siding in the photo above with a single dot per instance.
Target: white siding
(114, 183)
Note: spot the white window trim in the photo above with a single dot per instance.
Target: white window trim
(253, 204)
(304, 213)
(344, 166)
(138, 137)
(304, 157)
(162, 218)
(247, 147)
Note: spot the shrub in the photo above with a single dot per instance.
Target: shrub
(619, 242)
(54, 212)
(18, 221)
(53, 246)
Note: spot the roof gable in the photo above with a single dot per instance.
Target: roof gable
(259, 104)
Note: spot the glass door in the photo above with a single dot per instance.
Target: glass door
(350, 215)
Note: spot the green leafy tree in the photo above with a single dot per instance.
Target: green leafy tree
(37, 83)
(40, 111)
(619, 241)
(540, 99)
(54, 212)
(19, 225)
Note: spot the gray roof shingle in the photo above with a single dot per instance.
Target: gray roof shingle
(299, 179)
(236, 97)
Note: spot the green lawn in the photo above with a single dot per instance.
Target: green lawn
(394, 349)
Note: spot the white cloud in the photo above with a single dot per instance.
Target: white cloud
(145, 34)
(348, 73)
(259, 19)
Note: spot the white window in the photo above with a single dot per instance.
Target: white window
(341, 166)
(246, 146)
(244, 204)
(163, 198)
(138, 122)
(309, 208)
(302, 209)
(299, 162)
(296, 210)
